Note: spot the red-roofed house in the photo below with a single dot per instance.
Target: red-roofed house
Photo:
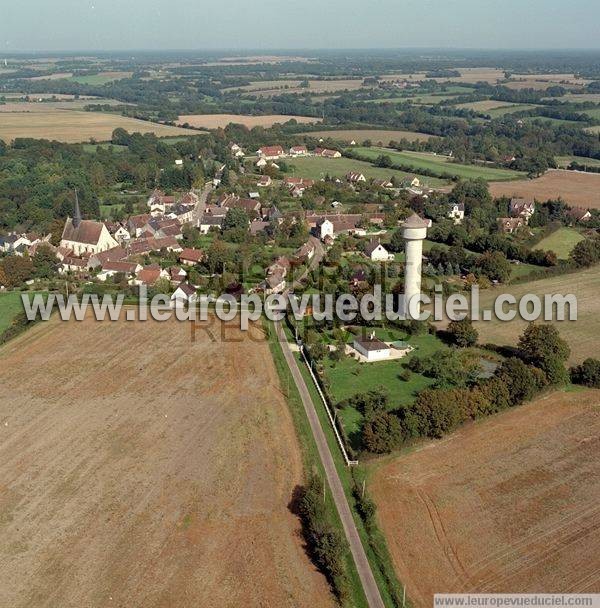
(190, 257)
(270, 152)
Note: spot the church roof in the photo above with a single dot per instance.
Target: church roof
(87, 231)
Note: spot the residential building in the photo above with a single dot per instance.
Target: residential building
(371, 348)
(456, 212)
(376, 252)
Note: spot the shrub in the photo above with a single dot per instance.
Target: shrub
(587, 374)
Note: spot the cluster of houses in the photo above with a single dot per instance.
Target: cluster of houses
(277, 272)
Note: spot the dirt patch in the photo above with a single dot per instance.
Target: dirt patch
(215, 121)
(506, 505)
(139, 469)
(578, 189)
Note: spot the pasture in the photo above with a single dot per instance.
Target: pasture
(76, 126)
(216, 121)
(505, 505)
(162, 475)
(561, 241)
(581, 335)
(314, 167)
(575, 188)
(377, 136)
(100, 78)
(10, 307)
(419, 161)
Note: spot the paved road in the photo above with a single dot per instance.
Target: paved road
(358, 553)
(201, 204)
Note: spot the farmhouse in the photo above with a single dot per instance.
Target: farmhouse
(508, 225)
(264, 181)
(190, 257)
(371, 348)
(210, 221)
(520, 207)
(236, 150)
(456, 212)
(298, 151)
(270, 152)
(327, 153)
(386, 184)
(353, 177)
(377, 252)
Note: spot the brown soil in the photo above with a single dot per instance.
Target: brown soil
(139, 469)
(577, 189)
(507, 505)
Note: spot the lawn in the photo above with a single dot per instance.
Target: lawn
(561, 241)
(440, 164)
(10, 307)
(314, 167)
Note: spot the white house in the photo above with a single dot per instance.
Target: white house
(371, 348)
(325, 228)
(122, 234)
(520, 207)
(184, 294)
(110, 269)
(354, 177)
(270, 152)
(236, 151)
(377, 252)
(456, 212)
(298, 151)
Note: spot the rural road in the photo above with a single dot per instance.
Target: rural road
(358, 553)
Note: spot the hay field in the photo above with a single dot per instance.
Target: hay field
(508, 505)
(575, 188)
(76, 126)
(375, 135)
(148, 471)
(216, 121)
(581, 335)
(48, 106)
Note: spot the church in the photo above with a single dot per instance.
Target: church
(85, 237)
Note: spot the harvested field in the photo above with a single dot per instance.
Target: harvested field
(506, 505)
(74, 126)
(268, 88)
(48, 106)
(581, 335)
(147, 471)
(215, 121)
(578, 189)
(375, 135)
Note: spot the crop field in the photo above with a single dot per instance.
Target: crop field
(268, 88)
(76, 126)
(496, 109)
(507, 505)
(216, 121)
(561, 242)
(313, 167)
(581, 335)
(49, 106)
(148, 471)
(377, 136)
(575, 188)
(420, 161)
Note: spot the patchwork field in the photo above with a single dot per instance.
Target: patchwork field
(419, 161)
(216, 121)
(317, 168)
(147, 471)
(579, 189)
(506, 505)
(581, 335)
(76, 126)
(375, 135)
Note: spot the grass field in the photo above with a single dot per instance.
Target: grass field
(215, 121)
(317, 168)
(10, 307)
(146, 492)
(506, 505)
(561, 242)
(558, 122)
(579, 189)
(420, 160)
(268, 88)
(565, 161)
(429, 99)
(375, 135)
(496, 109)
(75, 126)
(101, 78)
(581, 335)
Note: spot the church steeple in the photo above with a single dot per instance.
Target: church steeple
(77, 214)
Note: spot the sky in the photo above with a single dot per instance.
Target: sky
(74, 25)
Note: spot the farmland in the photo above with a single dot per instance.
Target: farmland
(581, 335)
(419, 161)
(506, 505)
(314, 167)
(10, 307)
(76, 126)
(561, 241)
(101, 78)
(268, 88)
(216, 121)
(375, 135)
(580, 189)
(149, 471)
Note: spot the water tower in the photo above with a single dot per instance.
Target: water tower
(414, 231)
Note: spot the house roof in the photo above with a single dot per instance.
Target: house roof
(370, 248)
(193, 255)
(371, 343)
(119, 266)
(187, 289)
(271, 150)
(149, 274)
(88, 231)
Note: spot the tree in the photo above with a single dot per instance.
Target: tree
(437, 412)
(494, 266)
(396, 243)
(586, 253)
(587, 374)
(522, 381)
(45, 263)
(17, 269)
(381, 432)
(462, 333)
(542, 346)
